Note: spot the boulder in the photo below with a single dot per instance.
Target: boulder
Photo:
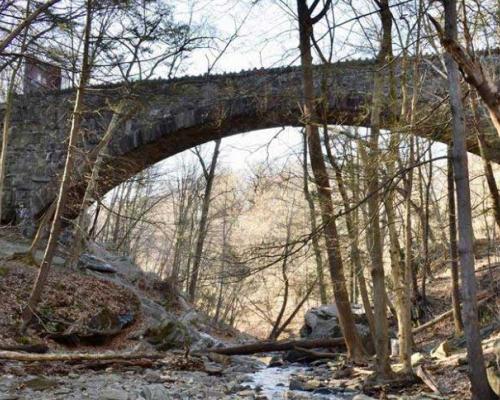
(41, 383)
(322, 322)
(100, 328)
(362, 396)
(171, 334)
(205, 341)
(155, 392)
(113, 394)
(108, 322)
(153, 312)
(93, 263)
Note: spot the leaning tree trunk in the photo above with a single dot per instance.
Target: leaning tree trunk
(353, 234)
(95, 159)
(284, 266)
(480, 387)
(55, 230)
(314, 229)
(346, 319)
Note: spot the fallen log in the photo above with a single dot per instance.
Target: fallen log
(27, 348)
(482, 297)
(282, 345)
(17, 356)
(100, 365)
(315, 355)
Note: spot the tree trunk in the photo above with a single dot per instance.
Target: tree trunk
(473, 72)
(202, 230)
(346, 319)
(292, 315)
(453, 253)
(480, 387)
(353, 234)
(314, 229)
(284, 265)
(426, 228)
(77, 117)
(96, 159)
(381, 339)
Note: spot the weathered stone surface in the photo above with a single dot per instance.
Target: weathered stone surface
(40, 383)
(113, 394)
(171, 334)
(174, 115)
(155, 392)
(322, 322)
(95, 264)
(362, 397)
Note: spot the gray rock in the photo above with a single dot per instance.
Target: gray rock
(152, 376)
(94, 263)
(303, 384)
(113, 394)
(171, 334)
(362, 397)
(41, 383)
(155, 392)
(321, 322)
(276, 361)
(205, 341)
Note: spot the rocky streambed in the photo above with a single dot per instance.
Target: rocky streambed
(242, 378)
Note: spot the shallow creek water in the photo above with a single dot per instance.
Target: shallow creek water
(273, 383)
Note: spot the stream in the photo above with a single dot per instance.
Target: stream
(273, 383)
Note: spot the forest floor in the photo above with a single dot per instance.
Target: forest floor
(74, 298)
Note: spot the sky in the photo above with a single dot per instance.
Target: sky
(266, 37)
(266, 32)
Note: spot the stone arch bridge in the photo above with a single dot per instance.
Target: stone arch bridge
(173, 115)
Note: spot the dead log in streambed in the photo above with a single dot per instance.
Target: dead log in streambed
(282, 345)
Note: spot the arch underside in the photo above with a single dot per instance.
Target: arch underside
(146, 148)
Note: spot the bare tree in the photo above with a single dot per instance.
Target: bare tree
(306, 22)
(76, 121)
(202, 229)
(477, 371)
